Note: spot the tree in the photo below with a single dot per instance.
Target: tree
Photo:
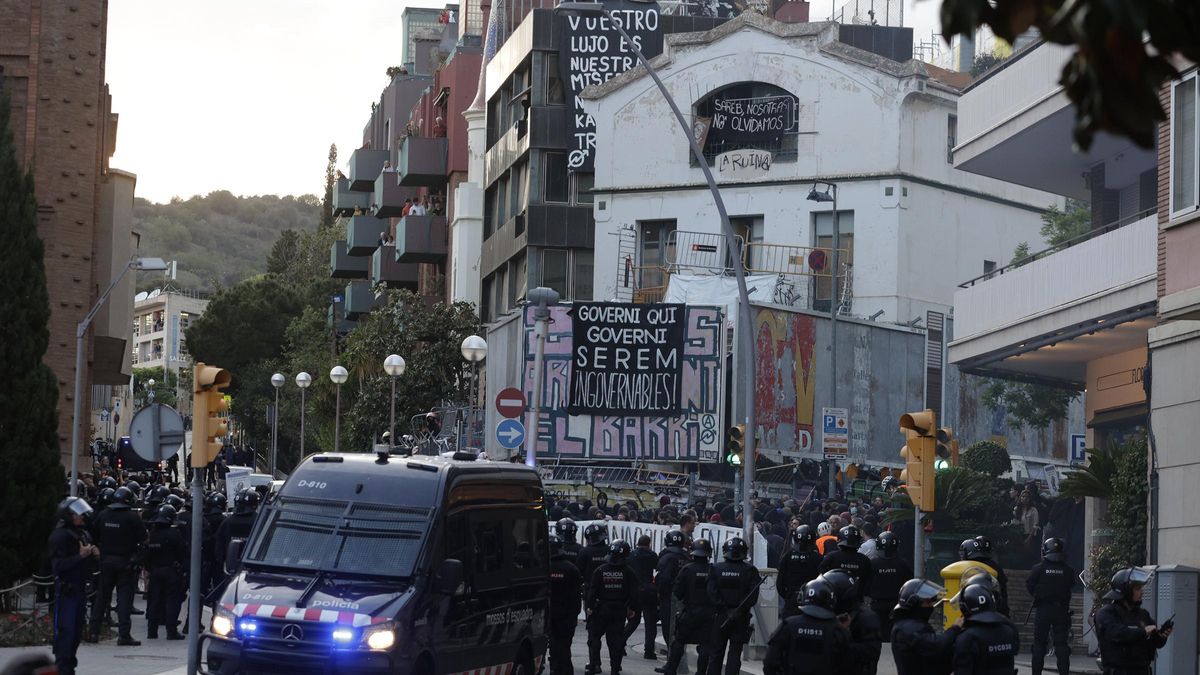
(1060, 226)
(31, 476)
(167, 387)
(1123, 53)
(285, 253)
(1032, 405)
(987, 458)
(1118, 475)
(330, 182)
(984, 63)
(1020, 253)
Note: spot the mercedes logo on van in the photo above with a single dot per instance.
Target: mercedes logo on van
(292, 633)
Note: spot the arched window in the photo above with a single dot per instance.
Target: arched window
(748, 115)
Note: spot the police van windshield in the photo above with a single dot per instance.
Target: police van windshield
(331, 536)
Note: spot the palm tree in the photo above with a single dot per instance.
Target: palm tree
(1097, 478)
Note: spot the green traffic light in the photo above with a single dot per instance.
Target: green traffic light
(940, 464)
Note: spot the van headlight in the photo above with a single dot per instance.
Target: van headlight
(222, 623)
(380, 637)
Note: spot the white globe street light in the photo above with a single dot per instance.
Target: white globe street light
(303, 379)
(474, 350)
(277, 381)
(339, 375)
(393, 365)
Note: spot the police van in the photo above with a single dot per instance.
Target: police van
(365, 564)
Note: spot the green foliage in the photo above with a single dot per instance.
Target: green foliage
(1126, 516)
(1123, 53)
(987, 458)
(1060, 226)
(1032, 405)
(167, 388)
(330, 181)
(966, 501)
(1094, 480)
(984, 63)
(219, 239)
(31, 477)
(1020, 253)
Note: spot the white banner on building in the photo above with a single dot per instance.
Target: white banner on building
(717, 535)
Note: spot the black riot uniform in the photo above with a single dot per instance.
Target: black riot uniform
(888, 573)
(594, 554)
(236, 526)
(1125, 646)
(798, 567)
(849, 560)
(566, 530)
(988, 642)
(671, 562)
(693, 624)
(916, 648)
(211, 572)
(166, 560)
(979, 550)
(1050, 584)
(119, 533)
(565, 601)
(733, 590)
(72, 563)
(643, 561)
(866, 630)
(612, 597)
(811, 642)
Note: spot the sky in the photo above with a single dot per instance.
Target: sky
(247, 95)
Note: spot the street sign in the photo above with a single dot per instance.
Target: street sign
(1078, 443)
(510, 434)
(510, 402)
(104, 414)
(835, 433)
(156, 432)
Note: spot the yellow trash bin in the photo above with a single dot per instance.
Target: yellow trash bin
(953, 576)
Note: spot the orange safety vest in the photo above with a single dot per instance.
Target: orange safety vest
(823, 541)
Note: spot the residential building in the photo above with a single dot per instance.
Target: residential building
(414, 24)
(160, 319)
(52, 68)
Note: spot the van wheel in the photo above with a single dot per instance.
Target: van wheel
(524, 663)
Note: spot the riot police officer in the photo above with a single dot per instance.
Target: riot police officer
(916, 648)
(594, 553)
(118, 533)
(212, 569)
(671, 562)
(565, 600)
(988, 642)
(866, 631)
(566, 530)
(693, 622)
(236, 526)
(979, 549)
(72, 556)
(155, 497)
(733, 590)
(849, 560)
(612, 597)
(1129, 636)
(810, 642)
(1049, 584)
(643, 561)
(166, 560)
(888, 574)
(798, 567)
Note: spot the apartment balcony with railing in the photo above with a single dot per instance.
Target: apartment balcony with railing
(363, 234)
(342, 265)
(359, 299)
(422, 161)
(421, 239)
(364, 167)
(386, 270)
(387, 201)
(347, 201)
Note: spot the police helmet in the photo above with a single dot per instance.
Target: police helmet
(71, 507)
(978, 603)
(849, 538)
(888, 482)
(970, 549)
(566, 529)
(595, 533)
(177, 491)
(134, 487)
(176, 502)
(824, 529)
(818, 599)
(803, 536)
(122, 498)
(985, 545)
(845, 588)
(888, 542)
(1052, 549)
(556, 546)
(916, 592)
(156, 495)
(735, 549)
(106, 483)
(675, 538)
(245, 501)
(105, 497)
(215, 502)
(1124, 581)
(701, 550)
(165, 516)
(618, 551)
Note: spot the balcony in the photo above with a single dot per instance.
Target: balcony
(346, 201)
(359, 299)
(385, 269)
(1046, 319)
(362, 234)
(388, 198)
(364, 168)
(335, 316)
(421, 239)
(342, 265)
(422, 162)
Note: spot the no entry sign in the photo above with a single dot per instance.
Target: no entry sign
(510, 402)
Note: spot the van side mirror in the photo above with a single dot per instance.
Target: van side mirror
(233, 554)
(449, 577)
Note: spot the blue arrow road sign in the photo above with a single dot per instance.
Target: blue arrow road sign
(510, 433)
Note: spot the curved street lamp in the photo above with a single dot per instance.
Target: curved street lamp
(393, 365)
(339, 375)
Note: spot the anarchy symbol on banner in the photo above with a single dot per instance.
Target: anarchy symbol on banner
(709, 425)
(576, 159)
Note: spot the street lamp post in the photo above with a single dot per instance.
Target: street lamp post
(542, 299)
(303, 379)
(393, 365)
(141, 264)
(830, 195)
(277, 381)
(150, 389)
(746, 315)
(339, 375)
(474, 350)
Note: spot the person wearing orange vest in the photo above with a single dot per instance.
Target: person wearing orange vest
(827, 540)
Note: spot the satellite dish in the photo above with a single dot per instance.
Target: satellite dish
(155, 293)
(141, 296)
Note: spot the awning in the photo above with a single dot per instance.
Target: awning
(1119, 415)
(108, 358)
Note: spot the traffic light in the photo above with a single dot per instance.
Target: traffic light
(920, 431)
(947, 449)
(735, 445)
(209, 406)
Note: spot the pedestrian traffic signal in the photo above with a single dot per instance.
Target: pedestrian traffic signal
(209, 407)
(735, 445)
(947, 449)
(920, 431)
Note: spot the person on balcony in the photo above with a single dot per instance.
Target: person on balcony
(418, 208)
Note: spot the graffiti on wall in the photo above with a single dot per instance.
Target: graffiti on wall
(695, 435)
(787, 381)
